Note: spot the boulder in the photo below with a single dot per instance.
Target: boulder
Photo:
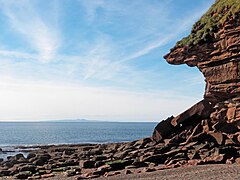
(87, 164)
(163, 129)
(23, 175)
(192, 116)
(18, 156)
(195, 114)
(44, 157)
(30, 168)
(159, 159)
(119, 164)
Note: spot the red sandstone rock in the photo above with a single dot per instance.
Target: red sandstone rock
(163, 129)
(197, 112)
(218, 136)
(193, 115)
(217, 60)
(231, 113)
(212, 125)
(47, 175)
(237, 160)
(215, 159)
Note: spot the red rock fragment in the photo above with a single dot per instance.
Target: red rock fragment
(231, 113)
(237, 160)
(47, 175)
(198, 111)
(218, 136)
(215, 159)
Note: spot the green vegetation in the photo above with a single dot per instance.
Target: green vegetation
(115, 162)
(204, 29)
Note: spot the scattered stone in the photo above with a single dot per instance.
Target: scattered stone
(47, 175)
(34, 177)
(18, 156)
(237, 160)
(68, 152)
(44, 157)
(128, 171)
(87, 164)
(29, 168)
(112, 174)
(139, 164)
(4, 172)
(31, 155)
(215, 159)
(69, 173)
(119, 164)
(38, 162)
(194, 162)
(99, 164)
(159, 159)
(23, 175)
(99, 158)
(130, 167)
(149, 169)
(105, 168)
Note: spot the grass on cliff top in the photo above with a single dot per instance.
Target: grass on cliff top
(208, 24)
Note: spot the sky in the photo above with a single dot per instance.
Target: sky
(95, 59)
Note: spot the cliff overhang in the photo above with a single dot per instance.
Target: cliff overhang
(214, 48)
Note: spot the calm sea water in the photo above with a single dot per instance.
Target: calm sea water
(39, 133)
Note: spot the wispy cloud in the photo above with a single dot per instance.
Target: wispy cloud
(108, 59)
(24, 19)
(113, 46)
(17, 55)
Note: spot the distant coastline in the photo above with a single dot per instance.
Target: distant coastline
(78, 120)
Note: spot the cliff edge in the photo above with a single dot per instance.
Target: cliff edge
(214, 123)
(214, 47)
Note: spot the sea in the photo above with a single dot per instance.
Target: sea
(13, 134)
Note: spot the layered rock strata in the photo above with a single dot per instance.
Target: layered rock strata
(219, 61)
(214, 48)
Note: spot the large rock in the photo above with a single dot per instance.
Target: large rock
(192, 116)
(163, 129)
(197, 112)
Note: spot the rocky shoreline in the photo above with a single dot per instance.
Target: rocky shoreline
(104, 160)
(85, 160)
(206, 133)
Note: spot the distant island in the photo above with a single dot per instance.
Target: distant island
(74, 120)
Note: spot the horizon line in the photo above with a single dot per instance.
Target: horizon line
(79, 120)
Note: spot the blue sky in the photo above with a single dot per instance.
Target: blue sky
(95, 59)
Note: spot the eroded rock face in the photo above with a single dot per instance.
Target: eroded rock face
(216, 117)
(218, 60)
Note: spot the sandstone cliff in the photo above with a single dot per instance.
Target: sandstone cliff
(214, 47)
